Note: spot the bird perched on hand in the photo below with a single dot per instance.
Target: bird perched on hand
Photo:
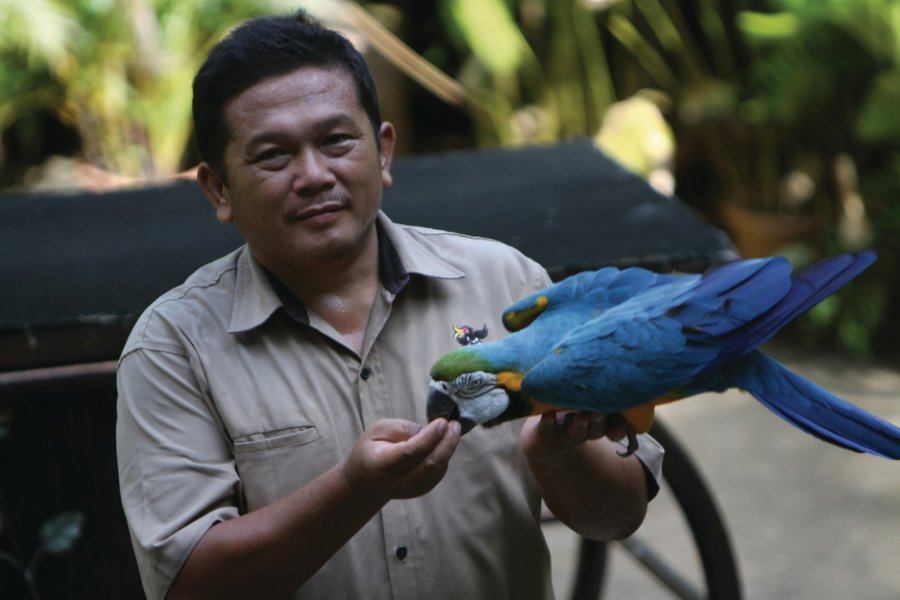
(621, 342)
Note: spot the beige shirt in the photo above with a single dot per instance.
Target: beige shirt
(232, 395)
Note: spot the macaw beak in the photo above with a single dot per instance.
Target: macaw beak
(441, 405)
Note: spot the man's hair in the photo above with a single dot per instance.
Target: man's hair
(268, 47)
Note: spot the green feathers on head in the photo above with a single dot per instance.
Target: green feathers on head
(464, 360)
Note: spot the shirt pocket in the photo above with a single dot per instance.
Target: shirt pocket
(272, 464)
(273, 440)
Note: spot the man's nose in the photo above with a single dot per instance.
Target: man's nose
(312, 173)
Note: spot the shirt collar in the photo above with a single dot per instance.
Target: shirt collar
(258, 293)
(402, 255)
(255, 299)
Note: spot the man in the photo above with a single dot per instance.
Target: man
(270, 408)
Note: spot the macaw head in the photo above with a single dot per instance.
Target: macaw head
(469, 387)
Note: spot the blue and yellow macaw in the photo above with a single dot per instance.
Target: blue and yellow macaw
(621, 342)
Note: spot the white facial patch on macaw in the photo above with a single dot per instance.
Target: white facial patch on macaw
(476, 394)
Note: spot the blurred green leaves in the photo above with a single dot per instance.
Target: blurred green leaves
(878, 121)
(118, 71)
(59, 534)
(490, 31)
(771, 26)
(758, 94)
(538, 67)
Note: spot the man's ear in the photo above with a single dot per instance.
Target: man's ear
(388, 138)
(216, 192)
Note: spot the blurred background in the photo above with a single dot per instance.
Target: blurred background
(777, 121)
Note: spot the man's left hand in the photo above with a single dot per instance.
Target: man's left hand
(552, 435)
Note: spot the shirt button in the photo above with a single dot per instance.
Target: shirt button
(365, 373)
(401, 552)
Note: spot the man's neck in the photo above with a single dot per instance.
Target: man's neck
(341, 291)
(346, 309)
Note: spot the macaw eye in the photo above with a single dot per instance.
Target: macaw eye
(471, 385)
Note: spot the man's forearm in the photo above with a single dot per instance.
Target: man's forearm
(594, 491)
(272, 551)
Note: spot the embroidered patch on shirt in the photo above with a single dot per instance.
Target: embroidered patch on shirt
(466, 336)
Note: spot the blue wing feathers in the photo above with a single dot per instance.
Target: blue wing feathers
(617, 360)
(722, 278)
(592, 292)
(731, 295)
(835, 271)
(818, 281)
(808, 287)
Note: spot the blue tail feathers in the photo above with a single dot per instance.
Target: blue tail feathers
(812, 408)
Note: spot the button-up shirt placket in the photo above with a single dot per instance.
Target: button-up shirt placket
(375, 403)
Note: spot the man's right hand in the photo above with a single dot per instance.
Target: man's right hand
(400, 459)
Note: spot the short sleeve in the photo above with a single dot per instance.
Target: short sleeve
(176, 472)
(650, 453)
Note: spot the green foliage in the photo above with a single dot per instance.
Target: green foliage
(489, 29)
(59, 534)
(31, 37)
(767, 99)
(840, 66)
(119, 72)
(877, 121)
(788, 106)
(538, 67)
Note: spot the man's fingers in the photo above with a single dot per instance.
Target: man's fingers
(429, 472)
(579, 427)
(597, 426)
(406, 453)
(394, 430)
(446, 446)
(582, 426)
(400, 459)
(438, 456)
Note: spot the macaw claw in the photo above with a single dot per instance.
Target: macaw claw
(620, 422)
(615, 421)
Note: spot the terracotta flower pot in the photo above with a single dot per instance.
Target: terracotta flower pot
(757, 233)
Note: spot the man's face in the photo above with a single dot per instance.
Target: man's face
(304, 171)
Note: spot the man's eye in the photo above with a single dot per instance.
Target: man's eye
(272, 158)
(270, 154)
(336, 139)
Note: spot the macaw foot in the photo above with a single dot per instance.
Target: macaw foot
(619, 422)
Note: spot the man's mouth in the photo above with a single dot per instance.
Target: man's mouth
(319, 210)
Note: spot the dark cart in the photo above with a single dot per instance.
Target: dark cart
(77, 270)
